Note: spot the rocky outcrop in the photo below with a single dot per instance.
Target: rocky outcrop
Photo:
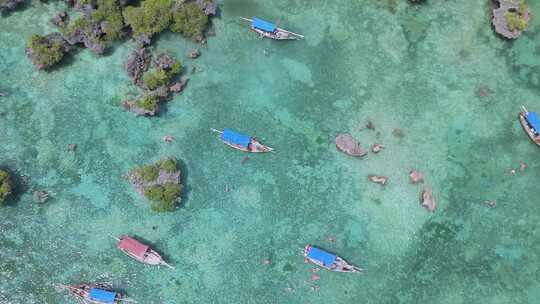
(209, 7)
(348, 145)
(194, 53)
(134, 107)
(8, 5)
(61, 19)
(416, 177)
(179, 86)
(138, 63)
(511, 18)
(427, 201)
(46, 51)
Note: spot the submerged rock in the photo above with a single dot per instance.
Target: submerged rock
(348, 145)
(511, 18)
(427, 201)
(72, 147)
(381, 180)
(416, 177)
(398, 133)
(376, 148)
(40, 196)
(194, 53)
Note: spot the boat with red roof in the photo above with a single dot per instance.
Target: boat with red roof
(140, 252)
(328, 260)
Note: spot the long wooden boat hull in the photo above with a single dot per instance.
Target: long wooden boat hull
(340, 265)
(82, 291)
(528, 130)
(151, 258)
(277, 35)
(254, 147)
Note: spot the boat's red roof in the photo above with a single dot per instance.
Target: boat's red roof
(132, 245)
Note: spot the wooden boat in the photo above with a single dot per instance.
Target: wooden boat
(242, 142)
(328, 260)
(267, 29)
(530, 124)
(95, 293)
(140, 252)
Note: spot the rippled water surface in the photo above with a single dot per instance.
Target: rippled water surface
(417, 68)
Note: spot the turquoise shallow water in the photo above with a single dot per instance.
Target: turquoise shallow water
(417, 68)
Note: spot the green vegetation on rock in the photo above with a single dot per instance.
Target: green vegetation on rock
(169, 165)
(163, 198)
(148, 102)
(5, 186)
(109, 14)
(515, 20)
(44, 51)
(152, 17)
(189, 20)
(148, 173)
(156, 78)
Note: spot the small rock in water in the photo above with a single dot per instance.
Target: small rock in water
(376, 148)
(416, 177)
(194, 53)
(315, 277)
(370, 125)
(40, 196)
(490, 203)
(348, 145)
(378, 179)
(427, 201)
(168, 138)
(398, 133)
(332, 239)
(72, 147)
(522, 166)
(513, 171)
(266, 262)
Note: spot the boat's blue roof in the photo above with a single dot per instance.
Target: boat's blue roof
(102, 295)
(534, 121)
(263, 25)
(235, 138)
(320, 255)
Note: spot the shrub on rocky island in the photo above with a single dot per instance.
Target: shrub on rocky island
(5, 186)
(511, 18)
(46, 51)
(152, 17)
(159, 183)
(189, 20)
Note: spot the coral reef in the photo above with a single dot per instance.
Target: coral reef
(159, 183)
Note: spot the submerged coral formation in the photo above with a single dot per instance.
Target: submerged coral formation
(511, 18)
(159, 183)
(5, 186)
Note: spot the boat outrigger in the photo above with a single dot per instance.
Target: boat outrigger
(531, 124)
(95, 294)
(242, 142)
(270, 30)
(328, 260)
(140, 252)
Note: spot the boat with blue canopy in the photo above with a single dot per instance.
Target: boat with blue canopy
(95, 294)
(530, 122)
(267, 29)
(328, 260)
(241, 141)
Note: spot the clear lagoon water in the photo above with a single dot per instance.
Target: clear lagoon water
(416, 68)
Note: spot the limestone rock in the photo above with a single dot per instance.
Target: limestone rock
(427, 201)
(348, 145)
